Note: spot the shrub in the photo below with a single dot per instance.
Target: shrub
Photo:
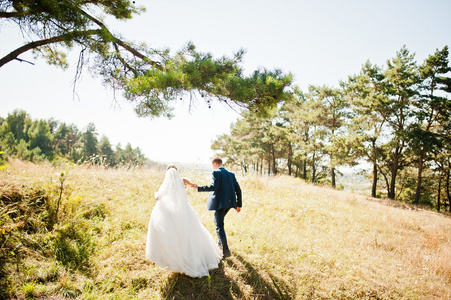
(73, 245)
(29, 290)
(99, 211)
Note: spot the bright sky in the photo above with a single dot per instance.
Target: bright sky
(319, 41)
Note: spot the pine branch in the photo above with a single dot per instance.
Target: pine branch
(103, 32)
(23, 60)
(137, 53)
(126, 65)
(5, 14)
(56, 39)
(118, 41)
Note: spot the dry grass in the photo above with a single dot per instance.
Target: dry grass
(292, 240)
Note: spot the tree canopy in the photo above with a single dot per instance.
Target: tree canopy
(150, 78)
(38, 140)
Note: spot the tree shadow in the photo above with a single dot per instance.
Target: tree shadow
(235, 278)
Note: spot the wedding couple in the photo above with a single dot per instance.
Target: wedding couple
(176, 239)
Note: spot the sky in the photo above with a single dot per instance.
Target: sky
(319, 41)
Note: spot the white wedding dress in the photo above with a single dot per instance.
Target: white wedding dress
(176, 239)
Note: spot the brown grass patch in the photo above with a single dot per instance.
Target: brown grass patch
(292, 240)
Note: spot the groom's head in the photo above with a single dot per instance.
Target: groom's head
(216, 162)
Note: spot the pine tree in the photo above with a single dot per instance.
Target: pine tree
(431, 107)
(365, 91)
(105, 150)
(41, 138)
(400, 81)
(89, 140)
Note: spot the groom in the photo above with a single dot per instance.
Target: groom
(225, 194)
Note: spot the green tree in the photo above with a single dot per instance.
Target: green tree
(22, 150)
(7, 140)
(41, 137)
(17, 122)
(54, 124)
(73, 139)
(61, 139)
(119, 155)
(252, 141)
(132, 157)
(252, 149)
(301, 114)
(431, 107)
(291, 136)
(401, 79)
(89, 140)
(316, 134)
(365, 91)
(257, 140)
(140, 157)
(233, 148)
(106, 151)
(332, 119)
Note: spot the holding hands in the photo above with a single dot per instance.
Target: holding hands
(187, 182)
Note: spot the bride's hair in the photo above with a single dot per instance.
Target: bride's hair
(171, 166)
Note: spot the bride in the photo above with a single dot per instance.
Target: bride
(176, 239)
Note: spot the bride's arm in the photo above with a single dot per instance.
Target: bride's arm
(186, 181)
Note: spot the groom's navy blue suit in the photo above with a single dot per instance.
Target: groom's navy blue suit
(225, 193)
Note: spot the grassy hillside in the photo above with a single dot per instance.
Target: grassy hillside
(292, 240)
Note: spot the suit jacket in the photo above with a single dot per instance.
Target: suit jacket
(225, 192)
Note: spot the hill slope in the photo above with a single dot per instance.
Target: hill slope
(292, 240)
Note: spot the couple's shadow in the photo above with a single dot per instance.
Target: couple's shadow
(241, 281)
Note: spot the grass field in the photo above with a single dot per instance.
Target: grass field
(292, 240)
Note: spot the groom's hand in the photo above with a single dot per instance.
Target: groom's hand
(238, 209)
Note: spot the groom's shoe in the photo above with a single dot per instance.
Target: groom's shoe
(226, 254)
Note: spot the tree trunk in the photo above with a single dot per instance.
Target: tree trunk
(374, 185)
(447, 185)
(269, 165)
(274, 165)
(332, 169)
(419, 177)
(332, 172)
(304, 169)
(313, 168)
(391, 189)
(290, 157)
(439, 191)
(387, 184)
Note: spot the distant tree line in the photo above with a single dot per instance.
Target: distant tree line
(38, 140)
(395, 118)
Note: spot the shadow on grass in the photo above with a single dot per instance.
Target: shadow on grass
(235, 278)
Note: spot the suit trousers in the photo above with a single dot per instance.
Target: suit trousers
(219, 222)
